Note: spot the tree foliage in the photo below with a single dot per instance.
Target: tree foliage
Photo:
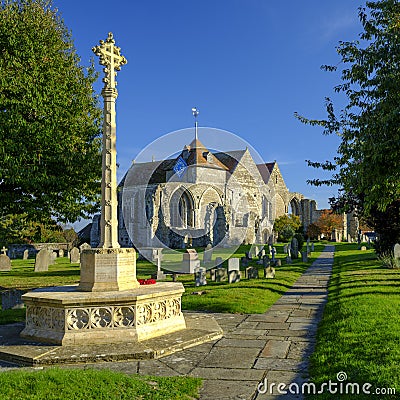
(328, 221)
(286, 225)
(19, 229)
(50, 163)
(313, 231)
(367, 166)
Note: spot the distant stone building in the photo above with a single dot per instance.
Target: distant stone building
(221, 197)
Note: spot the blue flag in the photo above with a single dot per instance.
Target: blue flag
(180, 167)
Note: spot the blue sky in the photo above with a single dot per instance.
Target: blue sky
(248, 65)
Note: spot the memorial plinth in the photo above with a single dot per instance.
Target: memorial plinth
(65, 316)
(108, 270)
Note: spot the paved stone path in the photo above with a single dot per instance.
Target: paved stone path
(258, 348)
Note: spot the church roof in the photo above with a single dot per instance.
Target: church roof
(266, 170)
(196, 154)
(230, 158)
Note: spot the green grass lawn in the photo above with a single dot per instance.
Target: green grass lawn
(360, 330)
(54, 384)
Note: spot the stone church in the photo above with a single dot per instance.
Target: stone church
(203, 197)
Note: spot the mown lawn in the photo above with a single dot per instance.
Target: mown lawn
(73, 384)
(360, 330)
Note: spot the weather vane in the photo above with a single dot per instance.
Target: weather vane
(195, 113)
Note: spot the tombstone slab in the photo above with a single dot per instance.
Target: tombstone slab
(251, 273)
(396, 250)
(269, 272)
(25, 256)
(234, 276)
(5, 263)
(200, 276)
(220, 275)
(42, 261)
(74, 255)
(190, 261)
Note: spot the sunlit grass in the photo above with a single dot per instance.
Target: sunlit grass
(360, 330)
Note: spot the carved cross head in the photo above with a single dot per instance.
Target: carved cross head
(111, 58)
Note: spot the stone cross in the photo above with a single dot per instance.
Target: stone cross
(4, 250)
(112, 60)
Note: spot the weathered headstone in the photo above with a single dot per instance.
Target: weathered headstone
(207, 255)
(396, 250)
(312, 246)
(288, 260)
(278, 262)
(251, 273)
(248, 255)
(61, 253)
(304, 256)
(11, 299)
(269, 272)
(363, 248)
(74, 255)
(42, 261)
(294, 247)
(84, 246)
(190, 260)
(262, 253)
(218, 262)
(285, 248)
(244, 262)
(53, 256)
(220, 274)
(25, 255)
(266, 261)
(273, 251)
(5, 262)
(200, 276)
(233, 270)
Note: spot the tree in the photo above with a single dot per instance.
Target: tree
(313, 231)
(328, 221)
(286, 225)
(367, 166)
(50, 164)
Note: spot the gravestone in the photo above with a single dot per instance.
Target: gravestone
(244, 262)
(273, 251)
(363, 248)
(5, 262)
(25, 255)
(396, 250)
(207, 255)
(262, 253)
(61, 253)
(74, 255)
(190, 261)
(269, 272)
(294, 247)
(278, 262)
(220, 274)
(84, 246)
(200, 276)
(233, 270)
(248, 255)
(288, 260)
(218, 262)
(285, 248)
(304, 256)
(12, 299)
(53, 256)
(251, 273)
(256, 250)
(42, 261)
(265, 261)
(312, 246)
